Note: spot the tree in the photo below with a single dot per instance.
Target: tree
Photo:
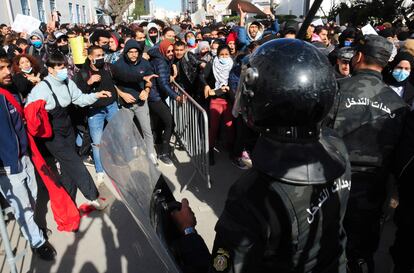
(361, 12)
(115, 8)
(139, 9)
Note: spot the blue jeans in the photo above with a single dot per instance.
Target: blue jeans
(96, 122)
(20, 190)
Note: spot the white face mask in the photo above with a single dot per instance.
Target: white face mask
(27, 71)
(214, 52)
(225, 60)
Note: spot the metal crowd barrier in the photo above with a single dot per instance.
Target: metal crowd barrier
(191, 129)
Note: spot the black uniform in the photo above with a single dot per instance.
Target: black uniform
(286, 214)
(369, 118)
(274, 223)
(401, 251)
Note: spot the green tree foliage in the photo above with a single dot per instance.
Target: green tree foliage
(139, 9)
(361, 12)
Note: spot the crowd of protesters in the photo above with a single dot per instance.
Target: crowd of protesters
(135, 67)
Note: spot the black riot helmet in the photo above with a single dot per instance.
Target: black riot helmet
(287, 88)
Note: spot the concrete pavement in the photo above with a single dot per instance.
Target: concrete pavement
(107, 240)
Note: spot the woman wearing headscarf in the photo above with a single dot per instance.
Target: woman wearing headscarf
(218, 91)
(399, 76)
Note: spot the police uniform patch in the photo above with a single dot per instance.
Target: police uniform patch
(220, 262)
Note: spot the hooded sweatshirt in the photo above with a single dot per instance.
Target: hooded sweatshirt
(128, 76)
(39, 53)
(244, 38)
(148, 42)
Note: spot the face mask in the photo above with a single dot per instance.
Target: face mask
(27, 71)
(214, 52)
(37, 44)
(191, 42)
(225, 60)
(172, 40)
(400, 75)
(99, 63)
(153, 39)
(105, 48)
(62, 74)
(64, 49)
(347, 43)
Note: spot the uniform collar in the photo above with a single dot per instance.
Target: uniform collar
(369, 72)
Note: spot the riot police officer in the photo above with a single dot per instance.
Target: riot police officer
(369, 117)
(285, 215)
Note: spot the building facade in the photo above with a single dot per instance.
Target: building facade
(72, 11)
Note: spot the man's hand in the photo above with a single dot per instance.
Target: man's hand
(179, 99)
(242, 15)
(143, 95)
(184, 218)
(203, 65)
(103, 94)
(128, 98)
(148, 79)
(93, 79)
(145, 56)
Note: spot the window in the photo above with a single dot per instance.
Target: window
(78, 18)
(52, 5)
(25, 7)
(70, 13)
(84, 14)
(41, 10)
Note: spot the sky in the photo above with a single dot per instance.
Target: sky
(174, 5)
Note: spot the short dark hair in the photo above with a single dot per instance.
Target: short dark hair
(3, 25)
(21, 41)
(98, 34)
(92, 48)
(369, 60)
(3, 56)
(55, 59)
(180, 43)
(222, 47)
(165, 30)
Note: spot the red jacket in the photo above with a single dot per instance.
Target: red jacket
(64, 210)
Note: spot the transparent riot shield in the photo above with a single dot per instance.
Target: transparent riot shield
(123, 156)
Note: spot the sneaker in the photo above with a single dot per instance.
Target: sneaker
(245, 157)
(164, 158)
(153, 159)
(100, 178)
(238, 162)
(97, 204)
(45, 252)
(88, 161)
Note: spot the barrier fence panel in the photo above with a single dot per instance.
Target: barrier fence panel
(191, 129)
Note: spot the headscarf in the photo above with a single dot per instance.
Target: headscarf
(221, 72)
(202, 45)
(164, 45)
(401, 56)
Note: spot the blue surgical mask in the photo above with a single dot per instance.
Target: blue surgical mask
(347, 43)
(400, 75)
(191, 41)
(27, 71)
(62, 74)
(225, 60)
(37, 43)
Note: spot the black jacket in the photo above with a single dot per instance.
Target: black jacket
(128, 76)
(162, 67)
(188, 71)
(369, 116)
(271, 225)
(106, 84)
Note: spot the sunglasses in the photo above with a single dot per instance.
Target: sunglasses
(170, 51)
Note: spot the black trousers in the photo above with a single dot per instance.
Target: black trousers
(245, 137)
(74, 173)
(401, 251)
(363, 216)
(163, 124)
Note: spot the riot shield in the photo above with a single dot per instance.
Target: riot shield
(124, 159)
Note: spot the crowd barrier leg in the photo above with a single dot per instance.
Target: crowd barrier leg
(191, 131)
